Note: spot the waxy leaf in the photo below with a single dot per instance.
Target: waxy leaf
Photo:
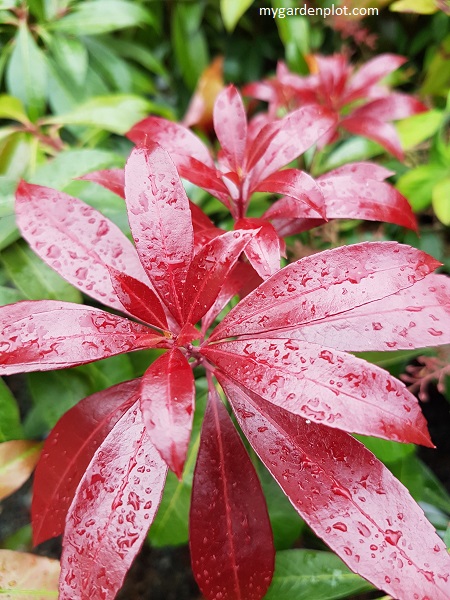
(265, 249)
(167, 404)
(325, 284)
(349, 499)
(230, 125)
(378, 131)
(415, 317)
(76, 241)
(209, 271)
(46, 334)
(24, 576)
(370, 73)
(114, 506)
(17, 461)
(231, 541)
(324, 385)
(138, 299)
(160, 220)
(68, 451)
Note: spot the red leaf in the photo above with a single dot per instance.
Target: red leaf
(180, 143)
(138, 299)
(68, 451)
(298, 185)
(264, 250)
(393, 107)
(160, 220)
(75, 240)
(209, 179)
(416, 317)
(371, 73)
(43, 335)
(326, 284)
(230, 538)
(348, 498)
(383, 133)
(326, 386)
(209, 270)
(230, 124)
(167, 404)
(347, 197)
(114, 506)
(281, 142)
(111, 179)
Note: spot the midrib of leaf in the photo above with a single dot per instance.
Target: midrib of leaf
(20, 592)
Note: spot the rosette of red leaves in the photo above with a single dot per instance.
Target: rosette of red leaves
(360, 104)
(280, 358)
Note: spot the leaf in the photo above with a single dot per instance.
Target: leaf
(111, 179)
(92, 17)
(371, 73)
(393, 107)
(17, 461)
(189, 41)
(324, 386)
(422, 7)
(441, 200)
(26, 576)
(201, 105)
(43, 335)
(209, 270)
(160, 221)
(12, 108)
(138, 299)
(308, 574)
(379, 131)
(68, 451)
(416, 129)
(33, 278)
(232, 11)
(26, 74)
(230, 124)
(320, 286)
(71, 54)
(114, 505)
(76, 241)
(167, 404)
(417, 185)
(230, 537)
(415, 317)
(10, 427)
(348, 498)
(116, 112)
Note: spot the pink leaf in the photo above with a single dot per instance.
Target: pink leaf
(160, 220)
(298, 185)
(75, 240)
(415, 317)
(348, 498)
(167, 404)
(393, 107)
(230, 538)
(383, 133)
(45, 334)
(180, 142)
(371, 73)
(326, 284)
(114, 506)
(264, 250)
(111, 179)
(138, 299)
(209, 179)
(68, 451)
(209, 270)
(230, 124)
(324, 385)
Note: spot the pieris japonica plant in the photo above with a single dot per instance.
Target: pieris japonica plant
(279, 360)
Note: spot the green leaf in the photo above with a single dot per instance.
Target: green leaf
(10, 427)
(232, 11)
(9, 295)
(72, 56)
(386, 450)
(437, 79)
(170, 528)
(26, 75)
(70, 164)
(189, 42)
(441, 200)
(15, 155)
(447, 537)
(33, 278)
(417, 185)
(12, 108)
(92, 17)
(414, 130)
(113, 69)
(116, 113)
(421, 7)
(308, 574)
(295, 34)
(107, 372)
(352, 150)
